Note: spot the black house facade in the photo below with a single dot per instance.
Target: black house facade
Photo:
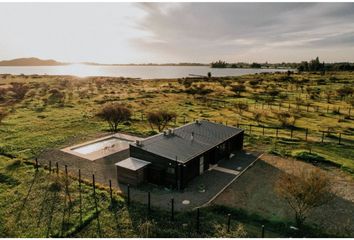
(178, 155)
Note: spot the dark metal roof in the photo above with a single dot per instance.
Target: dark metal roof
(180, 144)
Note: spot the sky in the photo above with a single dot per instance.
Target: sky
(177, 32)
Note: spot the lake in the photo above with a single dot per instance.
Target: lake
(143, 72)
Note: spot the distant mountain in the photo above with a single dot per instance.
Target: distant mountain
(30, 62)
(145, 64)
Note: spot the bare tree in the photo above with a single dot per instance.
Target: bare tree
(114, 114)
(160, 119)
(303, 192)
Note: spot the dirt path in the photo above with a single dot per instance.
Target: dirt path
(254, 192)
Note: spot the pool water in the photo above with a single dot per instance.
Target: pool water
(104, 145)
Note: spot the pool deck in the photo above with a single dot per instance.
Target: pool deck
(103, 152)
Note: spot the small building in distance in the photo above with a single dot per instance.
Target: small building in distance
(176, 156)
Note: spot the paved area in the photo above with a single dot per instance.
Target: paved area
(199, 191)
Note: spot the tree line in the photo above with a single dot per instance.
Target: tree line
(314, 65)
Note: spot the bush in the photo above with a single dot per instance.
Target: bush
(3, 114)
(314, 158)
(2, 94)
(56, 96)
(238, 89)
(309, 157)
(240, 107)
(19, 90)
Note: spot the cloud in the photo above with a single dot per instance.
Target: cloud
(209, 31)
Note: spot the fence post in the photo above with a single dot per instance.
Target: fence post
(339, 138)
(93, 184)
(50, 167)
(306, 132)
(276, 132)
(322, 136)
(96, 207)
(291, 133)
(263, 130)
(66, 171)
(80, 196)
(128, 193)
(110, 191)
(172, 209)
(250, 129)
(262, 231)
(198, 219)
(57, 167)
(228, 222)
(36, 166)
(149, 203)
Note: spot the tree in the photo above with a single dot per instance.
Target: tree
(219, 64)
(308, 190)
(114, 114)
(256, 65)
(237, 89)
(160, 119)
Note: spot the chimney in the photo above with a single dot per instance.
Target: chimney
(192, 136)
(138, 143)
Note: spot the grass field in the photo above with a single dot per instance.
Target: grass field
(39, 121)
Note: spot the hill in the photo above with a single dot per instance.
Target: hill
(30, 62)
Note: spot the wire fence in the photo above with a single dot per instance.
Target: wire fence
(279, 132)
(78, 216)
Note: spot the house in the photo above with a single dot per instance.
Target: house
(176, 156)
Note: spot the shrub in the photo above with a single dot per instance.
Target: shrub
(19, 90)
(238, 89)
(3, 114)
(56, 96)
(304, 191)
(2, 94)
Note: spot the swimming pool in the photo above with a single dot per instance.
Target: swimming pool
(108, 144)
